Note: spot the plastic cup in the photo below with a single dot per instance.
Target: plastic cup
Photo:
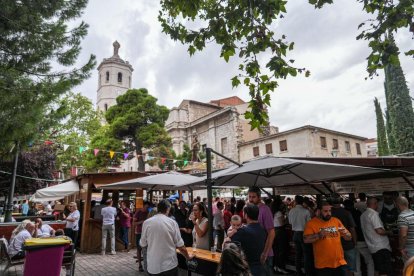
(194, 247)
(213, 251)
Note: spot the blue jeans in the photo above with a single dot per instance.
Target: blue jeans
(124, 236)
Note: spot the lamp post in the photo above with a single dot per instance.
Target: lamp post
(334, 153)
(9, 209)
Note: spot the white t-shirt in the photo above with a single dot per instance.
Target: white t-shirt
(161, 236)
(218, 219)
(17, 242)
(108, 215)
(73, 225)
(276, 219)
(370, 220)
(298, 217)
(44, 231)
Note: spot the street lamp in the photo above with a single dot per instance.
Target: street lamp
(334, 152)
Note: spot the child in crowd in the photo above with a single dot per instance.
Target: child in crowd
(235, 223)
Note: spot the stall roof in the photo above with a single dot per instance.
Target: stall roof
(56, 192)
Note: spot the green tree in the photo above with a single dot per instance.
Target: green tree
(164, 157)
(390, 137)
(248, 30)
(139, 121)
(76, 129)
(381, 133)
(104, 141)
(35, 35)
(400, 109)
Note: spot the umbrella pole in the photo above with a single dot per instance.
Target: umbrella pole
(209, 198)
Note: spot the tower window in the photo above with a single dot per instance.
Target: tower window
(107, 76)
(120, 77)
(106, 107)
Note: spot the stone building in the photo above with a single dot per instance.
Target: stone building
(306, 141)
(114, 79)
(219, 125)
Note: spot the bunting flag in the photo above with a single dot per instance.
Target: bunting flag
(81, 149)
(48, 143)
(126, 155)
(95, 152)
(65, 147)
(111, 153)
(30, 144)
(185, 162)
(149, 158)
(163, 160)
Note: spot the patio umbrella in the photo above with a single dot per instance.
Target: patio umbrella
(270, 171)
(162, 181)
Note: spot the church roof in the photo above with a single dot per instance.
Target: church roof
(229, 101)
(116, 58)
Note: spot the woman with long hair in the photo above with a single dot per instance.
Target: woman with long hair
(200, 232)
(232, 262)
(280, 243)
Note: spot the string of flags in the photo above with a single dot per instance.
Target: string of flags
(112, 153)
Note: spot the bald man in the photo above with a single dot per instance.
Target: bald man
(406, 228)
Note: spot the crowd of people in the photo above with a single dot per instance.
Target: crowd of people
(331, 236)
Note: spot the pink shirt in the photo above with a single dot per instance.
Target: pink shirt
(266, 220)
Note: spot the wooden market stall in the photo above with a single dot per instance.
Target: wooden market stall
(91, 229)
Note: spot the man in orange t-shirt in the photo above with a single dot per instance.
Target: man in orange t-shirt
(324, 232)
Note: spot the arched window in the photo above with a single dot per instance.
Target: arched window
(106, 107)
(107, 76)
(120, 77)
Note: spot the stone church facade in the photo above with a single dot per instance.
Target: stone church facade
(219, 124)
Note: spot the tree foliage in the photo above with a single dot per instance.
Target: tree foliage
(139, 121)
(105, 142)
(400, 110)
(76, 129)
(381, 132)
(247, 29)
(35, 35)
(36, 162)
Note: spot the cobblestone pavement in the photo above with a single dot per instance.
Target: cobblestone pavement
(94, 265)
(122, 263)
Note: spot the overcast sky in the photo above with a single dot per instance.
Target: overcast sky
(336, 95)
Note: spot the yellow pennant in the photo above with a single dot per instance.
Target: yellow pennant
(111, 153)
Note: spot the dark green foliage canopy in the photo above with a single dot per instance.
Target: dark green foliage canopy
(35, 36)
(248, 29)
(139, 121)
(381, 133)
(400, 110)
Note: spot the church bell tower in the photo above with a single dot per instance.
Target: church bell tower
(114, 79)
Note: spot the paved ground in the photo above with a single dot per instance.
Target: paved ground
(94, 264)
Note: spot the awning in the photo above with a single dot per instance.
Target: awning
(163, 181)
(56, 192)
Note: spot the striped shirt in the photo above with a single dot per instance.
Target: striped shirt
(406, 219)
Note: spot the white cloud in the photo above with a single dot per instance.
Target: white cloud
(336, 96)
